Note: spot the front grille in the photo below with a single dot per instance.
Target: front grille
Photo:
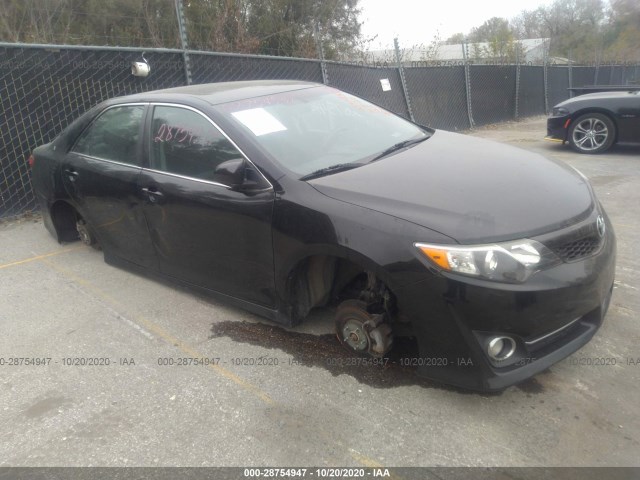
(577, 249)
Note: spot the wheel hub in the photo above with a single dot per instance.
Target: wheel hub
(361, 331)
(354, 336)
(83, 233)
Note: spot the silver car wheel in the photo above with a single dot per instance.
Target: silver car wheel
(590, 134)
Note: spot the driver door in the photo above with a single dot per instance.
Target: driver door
(205, 232)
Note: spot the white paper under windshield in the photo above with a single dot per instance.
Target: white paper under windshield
(259, 121)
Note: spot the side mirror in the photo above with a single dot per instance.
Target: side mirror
(231, 172)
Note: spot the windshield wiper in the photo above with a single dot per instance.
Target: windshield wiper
(340, 167)
(398, 146)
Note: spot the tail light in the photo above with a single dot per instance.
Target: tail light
(31, 161)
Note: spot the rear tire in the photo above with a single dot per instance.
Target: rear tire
(592, 133)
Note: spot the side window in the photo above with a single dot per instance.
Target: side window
(113, 135)
(185, 143)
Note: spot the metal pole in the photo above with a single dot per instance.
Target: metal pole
(183, 40)
(570, 77)
(546, 79)
(403, 81)
(320, 48)
(517, 81)
(467, 82)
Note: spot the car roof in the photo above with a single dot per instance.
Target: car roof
(217, 93)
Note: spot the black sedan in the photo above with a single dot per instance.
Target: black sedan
(592, 123)
(283, 196)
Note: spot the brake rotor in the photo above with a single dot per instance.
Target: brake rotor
(360, 331)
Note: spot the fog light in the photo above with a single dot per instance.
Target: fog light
(501, 348)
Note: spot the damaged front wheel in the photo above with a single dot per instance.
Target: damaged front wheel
(362, 332)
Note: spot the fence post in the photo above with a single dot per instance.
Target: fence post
(183, 41)
(517, 82)
(595, 75)
(402, 79)
(570, 76)
(545, 74)
(320, 48)
(467, 82)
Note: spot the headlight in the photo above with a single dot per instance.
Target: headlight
(559, 112)
(511, 262)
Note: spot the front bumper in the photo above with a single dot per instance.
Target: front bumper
(549, 317)
(557, 128)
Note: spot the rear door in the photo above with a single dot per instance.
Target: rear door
(100, 174)
(206, 232)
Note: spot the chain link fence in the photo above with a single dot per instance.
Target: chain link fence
(493, 93)
(364, 82)
(44, 87)
(558, 84)
(212, 67)
(438, 96)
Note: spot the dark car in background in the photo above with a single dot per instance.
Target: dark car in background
(284, 196)
(592, 123)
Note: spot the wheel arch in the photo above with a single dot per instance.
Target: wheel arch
(64, 217)
(310, 279)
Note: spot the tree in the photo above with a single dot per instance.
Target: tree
(528, 24)
(277, 27)
(94, 22)
(45, 21)
(581, 29)
(455, 39)
(495, 29)
(494, 39)
(624, 33)
(219, 25)
(286, 27)
(574, 27)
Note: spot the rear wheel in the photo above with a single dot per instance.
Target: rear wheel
(85, 234)
(592, 133)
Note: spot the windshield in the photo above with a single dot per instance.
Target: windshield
(316, 129)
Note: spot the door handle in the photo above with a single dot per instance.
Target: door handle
(152, 194)
(72, 174)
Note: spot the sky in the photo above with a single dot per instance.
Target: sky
(417, 21)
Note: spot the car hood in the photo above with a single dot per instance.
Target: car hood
(470, 189)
